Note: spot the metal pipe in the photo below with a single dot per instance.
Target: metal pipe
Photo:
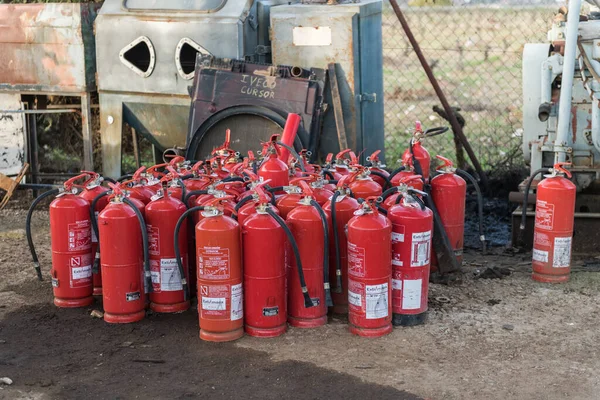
(52, 111)
(456, 128)
(566, 87)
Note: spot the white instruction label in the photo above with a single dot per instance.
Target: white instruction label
(420, 249)
(396, 284)
(411, 297)
(376, 297)
(562, 252)
(214, 303)
(397, 237)
(170, 278)
(540, 255)
(237, 302)
(81, 272)
(355, 299)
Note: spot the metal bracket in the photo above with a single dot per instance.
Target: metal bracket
(262, 50)
(367, 97)
(252, 21)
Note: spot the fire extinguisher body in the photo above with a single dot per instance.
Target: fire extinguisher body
(322, 195)
(364, 188)
(422, 156)
(248, 210)
(449, 192)
(121, 256)
(378, 179)
(369, 275)
(412, 230)
(275, 170)
(402, 176)
(307, 227)
(167, 290)
(287, 202)
(72, 257)
(553, 231)
(90, 194)
(142, 193)
(265, 302)
(219, 261)
(344, 210)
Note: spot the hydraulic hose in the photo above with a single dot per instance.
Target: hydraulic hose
(336, 242)
(388, 184)
(470, 177)
(294, 153)
(395, 172)
(527, 188)
(186, 294)
(36, 263)
(328, 299)
(387, 194)
(140, 217)
(193, 193)
(94, 221)
(307, 300)
(329, 174)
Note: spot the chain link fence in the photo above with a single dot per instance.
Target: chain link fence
(475, 52)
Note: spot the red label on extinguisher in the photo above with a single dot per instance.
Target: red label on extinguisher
(544, 215)
(81, 271)
(153, 240)
(356, 296)
(80, 235)
(213, 263)
(221, 301)
(356, 260)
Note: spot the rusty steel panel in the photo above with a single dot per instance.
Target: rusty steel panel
(47, 48)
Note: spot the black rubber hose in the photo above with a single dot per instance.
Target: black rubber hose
(233, 179)
(381, 210)
(465, 174)
(140, 217)
(527, 188)
(36, 186)
(387, 194)
(193, 193)
(295, 154)
(124, 177)
(186, 177)
(94, 221)
(395, 172)
(275, 189)
(329, 174)
(186, 293)
(336, 243)
(328, 299)
(388, 184)
(307, 300)
(111, 180)
(416, 163)
(36, 263)
(435, 131)
(241, 203)
(255, 167)
(183, 189)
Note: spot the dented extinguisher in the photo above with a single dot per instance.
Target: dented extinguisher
(264, 240)
(553, 230)
(71, 242)
(309, 226)
(219, 272)
(369, 272)
(125, 263)
(412, 230)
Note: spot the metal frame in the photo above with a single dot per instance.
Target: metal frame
(131, 45)
(196, 46)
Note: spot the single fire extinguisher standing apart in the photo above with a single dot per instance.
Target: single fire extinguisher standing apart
(369, 272)
(123, 246)
(162, 214)
(264, 242)
(71, 242)
(219, 272)
(308, 223)
(553, 231)
(412, 229)
(449, 192)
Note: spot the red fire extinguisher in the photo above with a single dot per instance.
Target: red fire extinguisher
(342, 162)
(412, 230)
(553, 231)
(419, 154)
(219, 272)
(272, 167)
(329, 169)
(162, 214)
(71, 242)
(394, 194)
(123, 246)
(308, 223)
(378, 173)
(264, 241)
(293, 194)
(92, 188)
(247, 205)
(369, 272)
(340, 209)
(448, 192)
(362, 185)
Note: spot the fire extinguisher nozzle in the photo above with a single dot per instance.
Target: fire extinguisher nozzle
(308, 303)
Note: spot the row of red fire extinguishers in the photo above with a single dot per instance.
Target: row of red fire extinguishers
(341, 235)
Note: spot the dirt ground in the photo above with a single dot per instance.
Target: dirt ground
(506, 338)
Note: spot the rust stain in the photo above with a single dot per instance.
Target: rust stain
(574, 122)
(589, 124)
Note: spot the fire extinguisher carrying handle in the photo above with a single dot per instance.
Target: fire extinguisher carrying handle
(36, 263)
(336, 243)
(140, 217)
(94, 222)
(470, 178)
(307, 300)
(187, 213)
(326, 285)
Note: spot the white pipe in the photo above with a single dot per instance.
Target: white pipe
(566, 89)
(546, 96)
